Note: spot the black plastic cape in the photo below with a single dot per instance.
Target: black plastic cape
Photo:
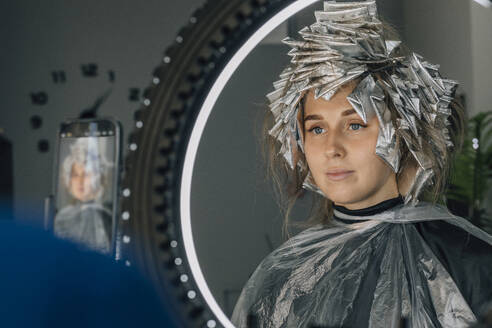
(418, 262)
(88, 223)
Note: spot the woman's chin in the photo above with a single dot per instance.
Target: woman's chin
(342, 198)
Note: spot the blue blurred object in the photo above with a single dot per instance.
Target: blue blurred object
(6, 176)
(47, 282)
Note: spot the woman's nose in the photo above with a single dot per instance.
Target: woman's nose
(334, 145)
(80, 179)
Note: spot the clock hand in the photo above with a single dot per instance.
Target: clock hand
(91, 112)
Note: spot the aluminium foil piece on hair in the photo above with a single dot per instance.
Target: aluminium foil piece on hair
(334, 6)
(309, 184)
(421, 178)
(347, 43)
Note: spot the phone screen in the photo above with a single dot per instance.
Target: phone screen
(85, 196)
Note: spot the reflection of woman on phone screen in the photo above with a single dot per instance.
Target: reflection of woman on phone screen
(85, 219)
(371, 129)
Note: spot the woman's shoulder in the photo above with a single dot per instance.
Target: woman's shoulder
(422, 211)
(283, 266)
(437, 219)
(308, 235)
(298, 248)
(66, 212)
(466, 253)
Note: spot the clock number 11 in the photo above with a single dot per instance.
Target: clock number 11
(58, 76)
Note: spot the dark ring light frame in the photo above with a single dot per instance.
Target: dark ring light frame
(155, 211)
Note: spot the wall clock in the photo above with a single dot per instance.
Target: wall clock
(91, 73)
(58, 62)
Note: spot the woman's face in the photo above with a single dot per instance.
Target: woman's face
(81, 183)
(340, 152)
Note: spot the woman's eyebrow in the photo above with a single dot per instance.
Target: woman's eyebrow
(319, 117)
(312, 117)
(349, 112)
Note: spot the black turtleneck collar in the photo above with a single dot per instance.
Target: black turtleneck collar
(371, 210)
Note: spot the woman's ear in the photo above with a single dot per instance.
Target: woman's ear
(405, 179)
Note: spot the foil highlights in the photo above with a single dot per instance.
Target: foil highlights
(346, 43)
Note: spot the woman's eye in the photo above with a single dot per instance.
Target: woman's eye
(316, 130)
(358, 126)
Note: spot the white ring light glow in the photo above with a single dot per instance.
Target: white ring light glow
(196, 135)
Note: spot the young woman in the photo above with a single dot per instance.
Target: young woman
(85, 219)
(371, 130)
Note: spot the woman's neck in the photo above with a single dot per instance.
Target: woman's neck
(340, 211)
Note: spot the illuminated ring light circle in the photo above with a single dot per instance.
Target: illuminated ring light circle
(155, 231)
(186, 178)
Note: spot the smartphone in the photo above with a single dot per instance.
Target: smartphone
(86, 181)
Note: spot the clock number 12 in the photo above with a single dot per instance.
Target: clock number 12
(89, 70)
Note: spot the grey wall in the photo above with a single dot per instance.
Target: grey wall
(439, 30)
(457, 35)
(38, 37)
(234, 217)
(481, 45)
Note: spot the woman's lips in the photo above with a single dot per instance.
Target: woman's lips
(339, 175)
